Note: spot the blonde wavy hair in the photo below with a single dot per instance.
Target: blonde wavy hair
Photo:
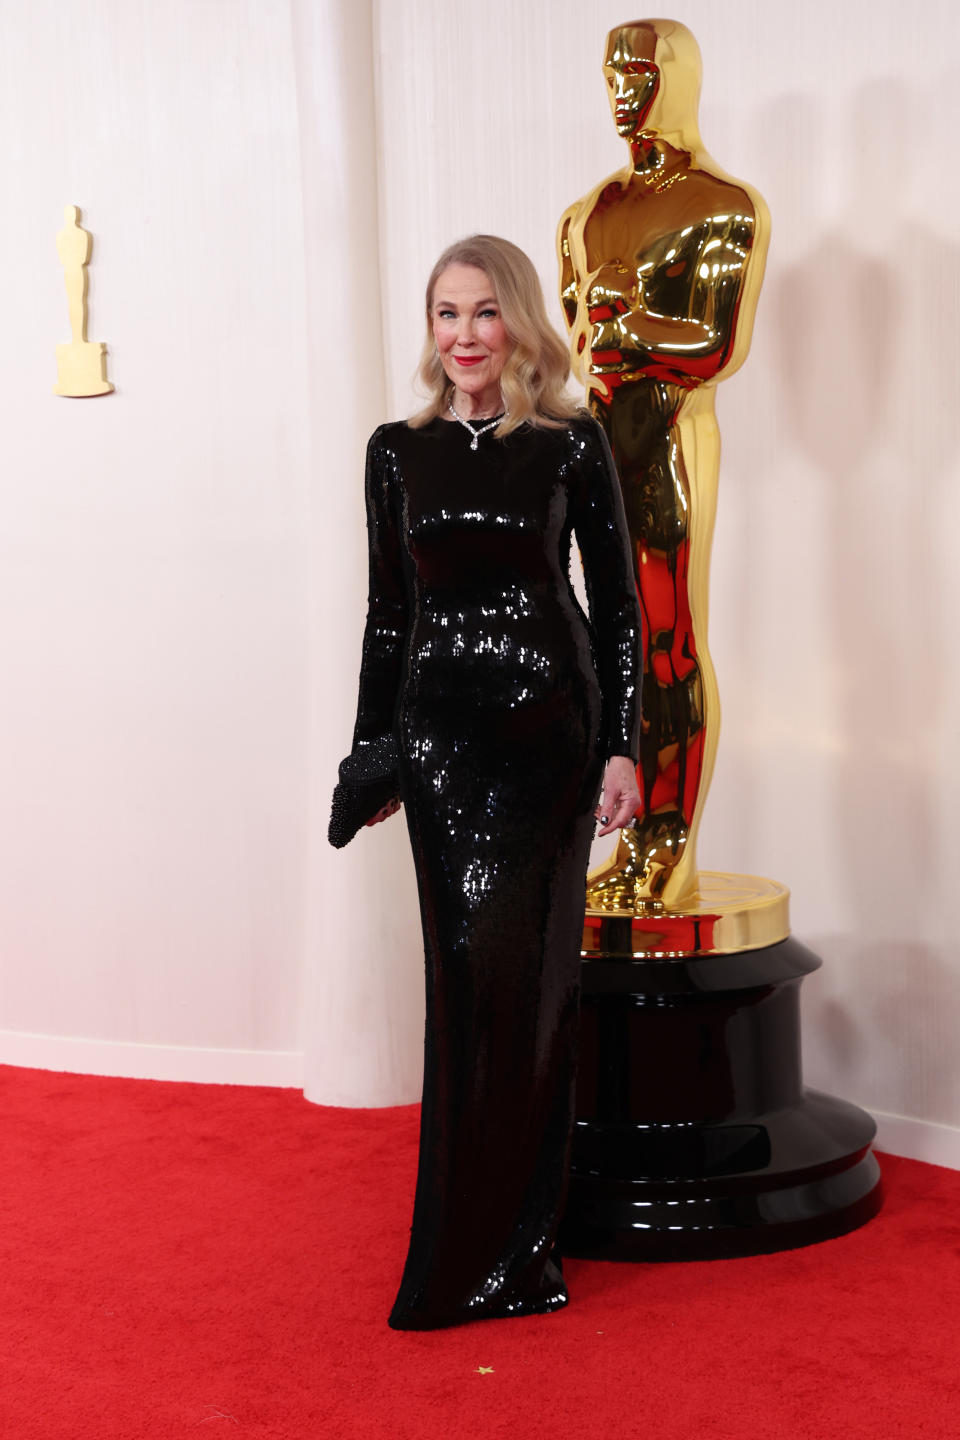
(534, 377)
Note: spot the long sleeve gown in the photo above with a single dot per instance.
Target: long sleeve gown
(506, 701)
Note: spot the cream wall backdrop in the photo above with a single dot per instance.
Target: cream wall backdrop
(184, 563)
(153, 545)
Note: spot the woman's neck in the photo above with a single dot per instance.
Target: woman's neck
(477, 407)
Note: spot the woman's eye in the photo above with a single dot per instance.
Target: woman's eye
(445, 314)
(488, 314)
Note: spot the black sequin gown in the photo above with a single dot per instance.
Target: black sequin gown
(506, 701)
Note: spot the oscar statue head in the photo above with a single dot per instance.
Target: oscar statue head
(652, 69)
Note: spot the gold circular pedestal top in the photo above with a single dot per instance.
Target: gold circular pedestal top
(727, 913)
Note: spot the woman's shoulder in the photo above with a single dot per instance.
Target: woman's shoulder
(547, 427)
(582, 423)
(580, 433)
(387, 430)
(399, 432)
(396, 446)
(573, 425)
(588, 449)
(384, 442)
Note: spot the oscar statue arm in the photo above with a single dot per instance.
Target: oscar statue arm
(600, 526)
(673, 326)
(569, 279)
(388, 609)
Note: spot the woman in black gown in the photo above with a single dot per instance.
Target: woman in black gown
(505, 701)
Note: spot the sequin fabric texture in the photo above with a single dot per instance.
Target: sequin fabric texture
(506, 700)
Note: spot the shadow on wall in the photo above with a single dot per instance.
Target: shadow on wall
(878, 1020)
(868, 322)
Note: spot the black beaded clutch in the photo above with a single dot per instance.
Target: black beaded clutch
(368, 779)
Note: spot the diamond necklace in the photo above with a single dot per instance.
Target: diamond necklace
(475, 434)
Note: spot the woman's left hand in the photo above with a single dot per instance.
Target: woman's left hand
(619, 797)
(385, 811)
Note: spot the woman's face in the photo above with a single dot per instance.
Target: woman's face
(470, 335)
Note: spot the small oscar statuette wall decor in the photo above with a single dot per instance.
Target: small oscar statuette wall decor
(81, 363)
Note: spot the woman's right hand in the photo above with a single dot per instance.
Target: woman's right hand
(391, 808)
(620, 794)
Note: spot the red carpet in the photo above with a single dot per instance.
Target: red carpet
(181, 1262)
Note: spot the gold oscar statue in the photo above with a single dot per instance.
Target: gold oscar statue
(660, 270)
(82, 363)
(695, 1137)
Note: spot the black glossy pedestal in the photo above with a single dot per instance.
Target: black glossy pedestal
(694, 1137)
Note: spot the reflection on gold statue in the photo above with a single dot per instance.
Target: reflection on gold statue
(661, 266)
(81, 364)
